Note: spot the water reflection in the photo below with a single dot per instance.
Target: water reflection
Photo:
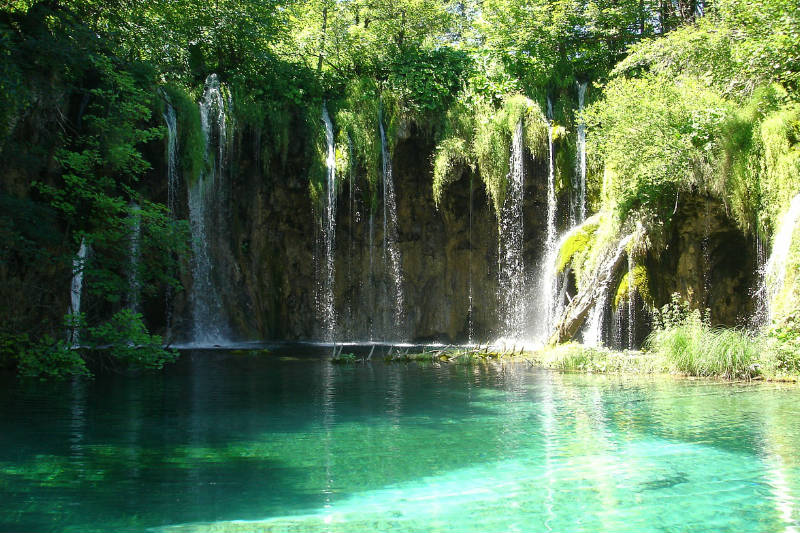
(293, 443)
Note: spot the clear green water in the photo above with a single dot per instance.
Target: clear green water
(222, 442)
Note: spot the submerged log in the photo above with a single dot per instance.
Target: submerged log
(578, 309)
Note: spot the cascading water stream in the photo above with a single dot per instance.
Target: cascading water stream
(76, 290)
(549, 283)
(208, 319)
(759, 293)
(327, 309)
(371, 302)
(134, 256)
(631, 301)
(579, 209)
(391, 253)
(775, 271)
(355, 218)
(593, 334)
(511, 263)
(170, 119)
(552, 296)
(470, 327)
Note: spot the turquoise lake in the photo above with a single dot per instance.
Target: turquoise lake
(224, 441)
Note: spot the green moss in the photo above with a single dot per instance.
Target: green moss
(491, 145)
(492, 142)
(250, 110)
(318, 154)
(191, 142)
(455, 355)
(251, 353)
(356, 118)
(275, 139)
(780, 136)
(578, 241)
(451, 158)
(636, 280)
(517, 107)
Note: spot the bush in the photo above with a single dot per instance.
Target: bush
(783, 340)
(126, 339)
(123, 339)
(50, 359)
(688, 345)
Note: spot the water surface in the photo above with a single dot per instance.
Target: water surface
(289, 442)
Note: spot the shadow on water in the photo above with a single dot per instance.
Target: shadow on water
(248, 434)
(209, 437)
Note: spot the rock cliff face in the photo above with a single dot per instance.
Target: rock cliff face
(708, 261)
(264, 229)
(265, 253)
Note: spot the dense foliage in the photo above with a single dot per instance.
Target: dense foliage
(684, 97)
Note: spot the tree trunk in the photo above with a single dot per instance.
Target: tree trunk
(576, 312)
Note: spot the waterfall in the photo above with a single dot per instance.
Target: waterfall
(208, 321)
(327, 309)
(511, 263)
(371, 303)
(617, 327)
(172, 155)
(759, 292)
(134, 255)
(579, 206)
(391, 253)
(471, 326)
(171, 121)
(775, 271)
(631, 301)
(355, 218)
(213, 109)
(549, 287)
(593, 334)
(76, 290)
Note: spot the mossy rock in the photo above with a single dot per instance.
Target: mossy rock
(191, 141)
(344, 358)
(636, 280)
(251, 353)
(577, 242)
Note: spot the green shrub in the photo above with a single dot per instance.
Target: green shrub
(688, 345)
(783, 341)
(343, 358)
(126, 339)
(48, 358)
(451, 158)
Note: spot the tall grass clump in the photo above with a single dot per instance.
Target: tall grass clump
(574, 357)
(689, 345)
